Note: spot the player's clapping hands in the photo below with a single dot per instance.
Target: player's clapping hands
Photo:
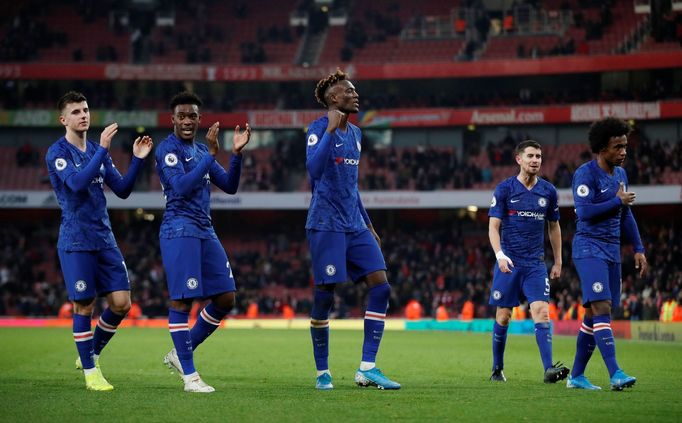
(142, 146)
(107, 135)
(212, 139)
(240, 139)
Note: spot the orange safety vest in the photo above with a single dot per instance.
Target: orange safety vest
(287, 312)
(677, 313)
(518, 313)
(468, 310)
(442, 313)
(252, 311)
(553, 312)
(413, 310)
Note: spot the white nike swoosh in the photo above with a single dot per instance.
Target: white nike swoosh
(604, 190)
(338, 145)
(188, 158)
(514, 201)
(78, 164)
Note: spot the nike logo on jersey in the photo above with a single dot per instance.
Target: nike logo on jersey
(514, 201)
(77, 164)
(338, 145)
(603, 190)
(188, 158)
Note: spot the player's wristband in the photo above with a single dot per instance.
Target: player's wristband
(501, 256)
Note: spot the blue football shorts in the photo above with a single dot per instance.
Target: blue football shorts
(600, 280)
(532, 280)
(338, 256)
(89, 274)
(196, 268)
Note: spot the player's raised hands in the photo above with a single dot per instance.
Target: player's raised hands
(641, 264)
(335, 118)
(107, 135)
(212, 139)
(240, 139)
(627, 198)
(142, 146)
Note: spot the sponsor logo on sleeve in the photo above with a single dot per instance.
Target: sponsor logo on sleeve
(60, 164)
(171, 159)
(312, 139)
(493, 202)
(582, 190)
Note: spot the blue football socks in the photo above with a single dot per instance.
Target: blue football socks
(105, 329)
(319, 327)
(82, 335)
(208, 321)
(543, 337)
(178, 325)
(606, 342)
(377, 305)
(585, 345)
(499, 342)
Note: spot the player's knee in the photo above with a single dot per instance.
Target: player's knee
(84, 307)
(121, 307)
(381, 291)
(540, 314)
(503, 316)
(226, 301)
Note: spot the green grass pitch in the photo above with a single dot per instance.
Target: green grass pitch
(268, 375)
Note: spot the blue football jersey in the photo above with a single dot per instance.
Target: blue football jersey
(186, 171)
(85, 224)
(523, 213)
(335, 205)
(598, 236)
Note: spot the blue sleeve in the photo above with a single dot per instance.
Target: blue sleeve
(227, 181)
(184, 183)
(498, 202)
(363, 211)
(583, 196)
(122, 186)
(553, 209)
(318, 151)
(78, 181)
(629, 228)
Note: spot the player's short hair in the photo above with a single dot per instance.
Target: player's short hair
(70, 97)
(325, 83)
(527, 143)
(185, 97)
(603, 130)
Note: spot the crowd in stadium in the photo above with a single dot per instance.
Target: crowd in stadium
(448, 264)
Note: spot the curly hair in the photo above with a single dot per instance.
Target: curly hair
(603, 130)
(185, 97)
(70, 97)
(325, 83)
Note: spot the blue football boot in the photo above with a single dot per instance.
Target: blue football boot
(581, 382)
(374, 377)
(620, 380)
(324, 382)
